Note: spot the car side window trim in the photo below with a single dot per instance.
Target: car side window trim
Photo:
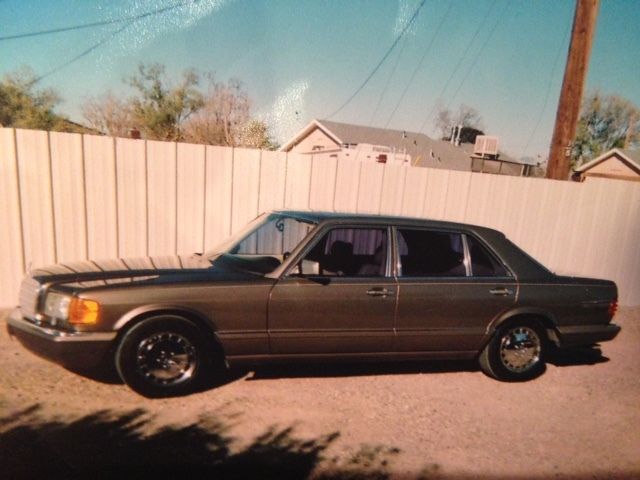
(325, 230)
(398, 260)
(467, 262)
(490, 252)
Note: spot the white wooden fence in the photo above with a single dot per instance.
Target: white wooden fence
(69, 196)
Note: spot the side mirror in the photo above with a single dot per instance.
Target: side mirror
(309, 267)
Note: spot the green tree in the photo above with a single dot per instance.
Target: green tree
(162, 111)
(606, 122)
(22, 106)
(159, 109)
(255, 134)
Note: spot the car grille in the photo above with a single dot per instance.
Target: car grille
(29, 295)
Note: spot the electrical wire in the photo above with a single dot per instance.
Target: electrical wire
(84, 53)
(113, 34)
(546, 97)
(477, 58)
(101, 23)
(382, 60)
(386, 85)
(419, 65)
(458, 65)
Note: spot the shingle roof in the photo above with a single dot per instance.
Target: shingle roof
(424, 151)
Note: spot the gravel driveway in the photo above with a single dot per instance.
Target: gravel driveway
(417, 420)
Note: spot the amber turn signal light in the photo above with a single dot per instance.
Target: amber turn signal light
(83, 312)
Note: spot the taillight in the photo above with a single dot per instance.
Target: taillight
(613, 307)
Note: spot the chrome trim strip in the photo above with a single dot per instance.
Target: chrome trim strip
(16, 321)
(467, 256)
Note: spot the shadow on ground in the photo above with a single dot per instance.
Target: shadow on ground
(107, 444)
(559, 358)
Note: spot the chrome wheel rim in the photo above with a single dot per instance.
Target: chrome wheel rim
(520, 349)
(166, 358)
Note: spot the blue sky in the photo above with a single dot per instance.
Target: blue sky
(302, 59)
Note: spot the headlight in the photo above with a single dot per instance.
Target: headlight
(56, 305)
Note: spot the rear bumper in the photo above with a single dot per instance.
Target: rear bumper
(586, 334)
(72, 349)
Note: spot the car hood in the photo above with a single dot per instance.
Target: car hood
(95, 273)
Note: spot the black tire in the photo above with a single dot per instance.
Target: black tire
(516, 352)
(163, 356)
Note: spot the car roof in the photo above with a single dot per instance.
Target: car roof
(321, 216)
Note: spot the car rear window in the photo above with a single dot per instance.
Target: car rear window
(483, 264)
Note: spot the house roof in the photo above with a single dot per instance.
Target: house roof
(630, 157)
(425, 151)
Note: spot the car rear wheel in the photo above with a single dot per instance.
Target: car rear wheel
(162, 356)
(516, 352)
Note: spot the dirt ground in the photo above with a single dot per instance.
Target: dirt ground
(581, 419)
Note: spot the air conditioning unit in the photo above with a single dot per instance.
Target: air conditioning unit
(486, 146)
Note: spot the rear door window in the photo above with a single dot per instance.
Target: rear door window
(427, 253)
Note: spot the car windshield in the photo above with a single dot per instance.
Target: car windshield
(262, 245)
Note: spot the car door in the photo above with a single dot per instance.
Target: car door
(450, 288)
(339, 298)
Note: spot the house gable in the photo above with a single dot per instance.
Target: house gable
(613, 167)
(613, 164)
(317, 140)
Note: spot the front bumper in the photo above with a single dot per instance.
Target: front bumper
(70, 349)
(583, 335)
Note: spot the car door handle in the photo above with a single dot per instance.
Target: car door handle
(503, 292)
(379, 292)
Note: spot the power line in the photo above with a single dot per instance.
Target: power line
(101, 23)
(455, 70)
(419, 66)
(386, 86)
(384, 57)
(484, 45)
(84, 53)
(561, 49)
(107, 38)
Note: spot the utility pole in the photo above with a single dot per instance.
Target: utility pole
(584, 24)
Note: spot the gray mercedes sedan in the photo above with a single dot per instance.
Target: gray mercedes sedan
(296, 285)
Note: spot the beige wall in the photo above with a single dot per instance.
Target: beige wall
(65, 196)
(317, 138)
(613, 167)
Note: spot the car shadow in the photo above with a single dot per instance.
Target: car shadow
(559, 358)
(576, 356)
(358, 369)
(107, 374)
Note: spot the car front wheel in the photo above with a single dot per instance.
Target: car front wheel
(516, 352)
(162, 356)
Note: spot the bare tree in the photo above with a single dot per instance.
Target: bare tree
(108, 114)
(466, 116)
(225, 112)
(163, 110)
